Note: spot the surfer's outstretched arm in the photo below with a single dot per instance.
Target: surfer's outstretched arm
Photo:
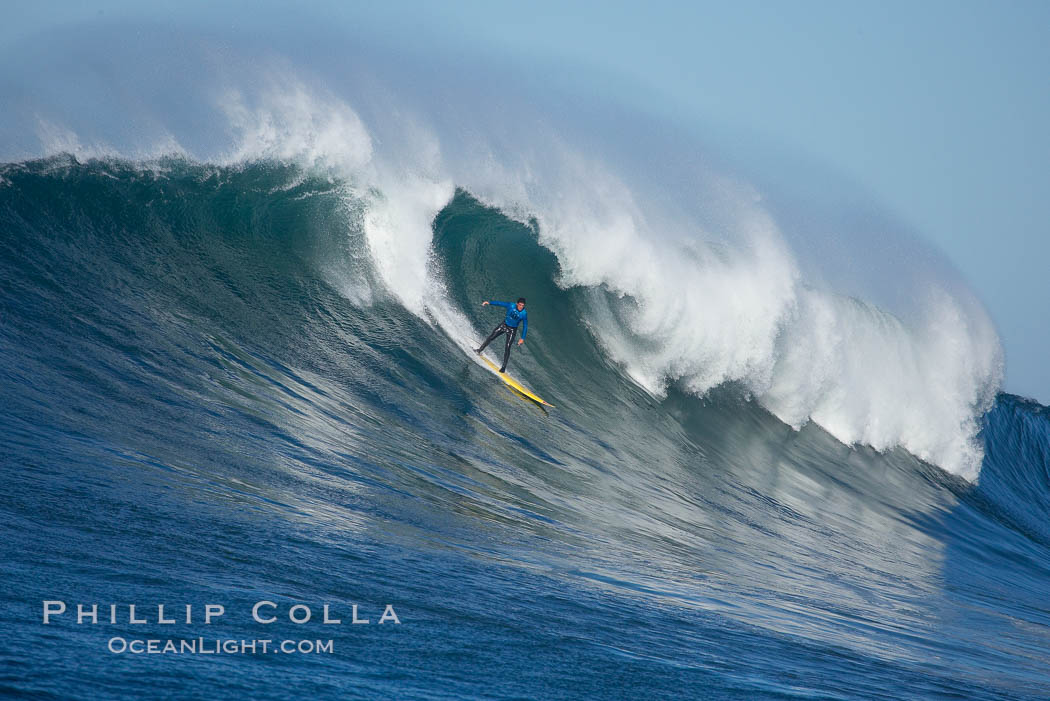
(505, 305)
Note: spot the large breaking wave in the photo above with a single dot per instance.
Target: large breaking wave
(692, 280)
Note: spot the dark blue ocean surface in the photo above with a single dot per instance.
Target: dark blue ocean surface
(194, 410)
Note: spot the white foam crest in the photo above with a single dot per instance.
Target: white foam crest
(704, 309)
(56, 139)
(398, 228)
(401, 188)
(689, 287)
(868, 378)
(287, 121)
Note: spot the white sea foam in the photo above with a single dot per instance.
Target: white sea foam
(287, 121)
(58, 139)
(703, 308)
(401, 189)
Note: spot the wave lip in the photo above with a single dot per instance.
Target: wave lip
(868, 378)
(687, 307)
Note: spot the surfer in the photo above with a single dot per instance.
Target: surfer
(515, 315)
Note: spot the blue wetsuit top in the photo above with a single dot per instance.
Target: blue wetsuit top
(514, 316)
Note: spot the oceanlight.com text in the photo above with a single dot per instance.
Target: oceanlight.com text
(217, 646)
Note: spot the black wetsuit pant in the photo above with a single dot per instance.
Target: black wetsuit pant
(511, 332)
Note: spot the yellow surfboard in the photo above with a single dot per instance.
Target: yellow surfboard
(514, 383)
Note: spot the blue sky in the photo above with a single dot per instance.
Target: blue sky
(938, 110)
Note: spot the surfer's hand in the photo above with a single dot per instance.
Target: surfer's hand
(520, 341)
(484, 304)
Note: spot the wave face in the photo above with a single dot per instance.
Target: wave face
(216, 386)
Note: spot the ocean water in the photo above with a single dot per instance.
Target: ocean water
(242, 381)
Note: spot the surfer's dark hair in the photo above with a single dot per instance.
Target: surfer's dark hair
(521, 299)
